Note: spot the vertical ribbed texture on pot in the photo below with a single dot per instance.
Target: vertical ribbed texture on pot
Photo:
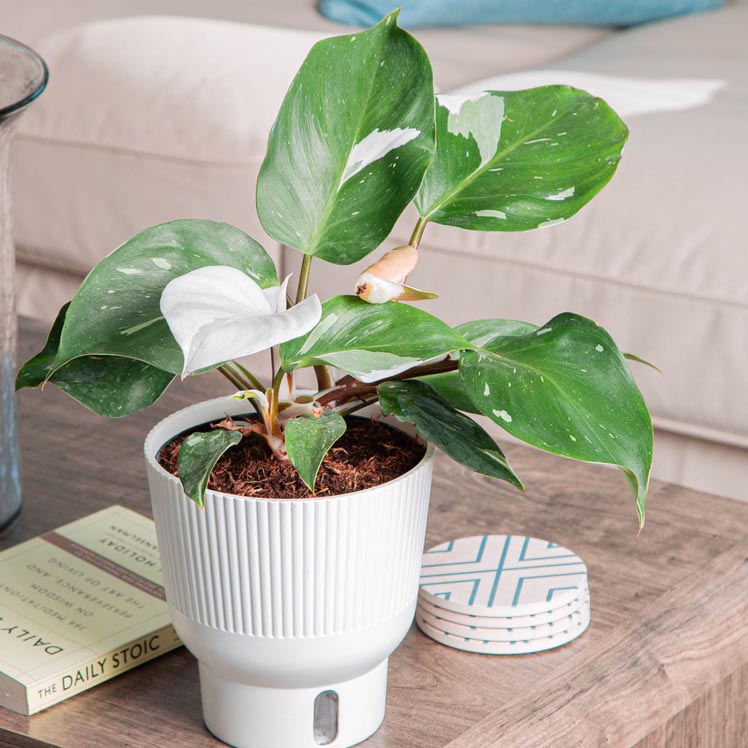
(292, 568)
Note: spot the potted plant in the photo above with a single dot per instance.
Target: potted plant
(293, 606)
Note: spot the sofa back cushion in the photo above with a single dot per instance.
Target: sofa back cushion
(469, 12)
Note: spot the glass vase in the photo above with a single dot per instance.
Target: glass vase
(23, 76)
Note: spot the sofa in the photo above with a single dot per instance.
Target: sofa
(159, 109)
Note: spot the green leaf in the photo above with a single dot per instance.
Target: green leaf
(566, 389)
(371, 341)
(198, 456)
(37, 370)
(116, 310)
(107, 385)
(352, 141)
(483, 333)
(309, 439)
(453, 432)
(519, 160)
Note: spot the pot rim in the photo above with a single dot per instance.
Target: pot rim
(151, 449)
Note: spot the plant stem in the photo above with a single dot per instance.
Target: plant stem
(231, 376)
(324, 378)
(415, 238)
(438, 367)
(274, 397)
(356, 406)
(251, 378)
(343, 394)
(301, 291)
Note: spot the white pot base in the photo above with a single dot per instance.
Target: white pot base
(247, 716)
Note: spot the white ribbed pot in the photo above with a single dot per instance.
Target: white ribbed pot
(291, 606)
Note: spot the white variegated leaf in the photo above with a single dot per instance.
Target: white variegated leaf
(519, 160)
(351, 143)
(218, 314)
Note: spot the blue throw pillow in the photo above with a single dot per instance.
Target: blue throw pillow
(468, 12)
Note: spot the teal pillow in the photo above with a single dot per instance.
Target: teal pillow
(468, 12)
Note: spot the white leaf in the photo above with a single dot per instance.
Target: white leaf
(218, 314)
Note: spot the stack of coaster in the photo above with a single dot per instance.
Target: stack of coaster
(503, 594)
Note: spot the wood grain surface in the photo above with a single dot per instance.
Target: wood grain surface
(663, 664)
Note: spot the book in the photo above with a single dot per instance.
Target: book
(78, 606)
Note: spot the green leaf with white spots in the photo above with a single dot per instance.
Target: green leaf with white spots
(352, 141)
(371, 341)
(107, 385)
(308, 440)
(37, 369)
(453, 432)
(198, 456)
(566, 389)
(116, 310)
(519, 160)
(482, 333)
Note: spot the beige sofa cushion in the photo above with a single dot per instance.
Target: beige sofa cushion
(155, 118)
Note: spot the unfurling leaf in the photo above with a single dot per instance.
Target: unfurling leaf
(385, 279)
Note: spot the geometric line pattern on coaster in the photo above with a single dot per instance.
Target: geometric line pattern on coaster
(501, 575)
(504, 648)
(491, 621)
(570, 618)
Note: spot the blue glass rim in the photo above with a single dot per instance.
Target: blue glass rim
(41, 82)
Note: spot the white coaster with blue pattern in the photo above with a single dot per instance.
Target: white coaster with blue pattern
(502, 576)
(515, 647)
(506, 622)
(503, 634)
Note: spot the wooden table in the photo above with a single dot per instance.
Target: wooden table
(664, 662)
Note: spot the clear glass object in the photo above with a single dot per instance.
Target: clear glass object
(23, 76)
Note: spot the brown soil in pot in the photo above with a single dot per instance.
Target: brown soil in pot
(368, 454)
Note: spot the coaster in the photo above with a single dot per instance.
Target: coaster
(502, 576)
(496, 622)
(520, 633)
(504, 648)
(535, 619)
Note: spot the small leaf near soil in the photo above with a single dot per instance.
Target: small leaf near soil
(197, 458)
(308, 439)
